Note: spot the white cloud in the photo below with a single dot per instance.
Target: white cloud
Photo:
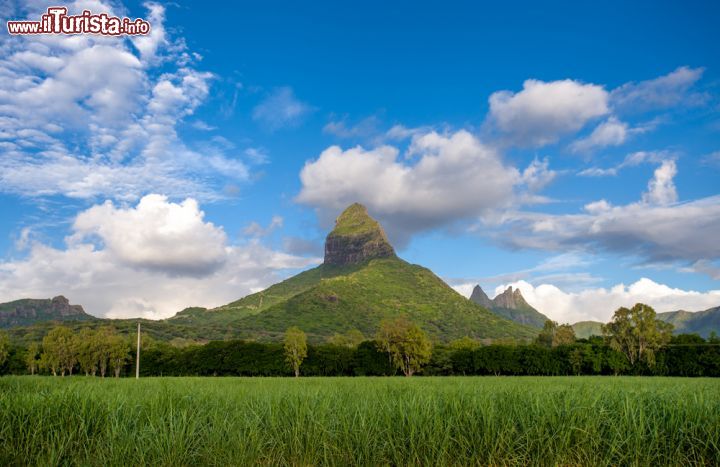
(88, 116)
(156, 235)
(673, 89)
(148, 45)
(152, 260)
(657, 229)
(367, 128)
(254, 229)
(561, 270)
(598, 172)
(631, 160)
(611, 132)
(661, 189)
(544, 111)
(280, 109)
(401, 132)
(415, 193)
(599, 304)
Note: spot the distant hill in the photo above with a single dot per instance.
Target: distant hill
(28, 311)
(684, 322)
(360, 283)
(698, 322)
(510, 305)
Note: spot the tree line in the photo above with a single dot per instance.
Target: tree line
(634, 342)
(93, 352)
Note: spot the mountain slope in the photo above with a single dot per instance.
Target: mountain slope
(699, 322)
(28, 311)
(510, 305)
(360, 283)
(383, 288)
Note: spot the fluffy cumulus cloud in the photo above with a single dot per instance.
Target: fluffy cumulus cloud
(149, 260)
(88, 116)
(413, 193)
(598, 304)
(156, 235)
(281, 109)
(544, 111)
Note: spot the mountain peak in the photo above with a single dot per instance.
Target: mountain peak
(27, 311)
(480, 297)
(356, 238)
(511, 299)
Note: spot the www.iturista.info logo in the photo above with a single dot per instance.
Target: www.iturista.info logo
(57, 21)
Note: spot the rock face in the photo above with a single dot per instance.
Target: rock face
(511, 299)
(480, 297)
(510, 305)
(356, 238)
(29, 311)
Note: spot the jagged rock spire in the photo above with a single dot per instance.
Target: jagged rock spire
(480, 297)
(511, 299)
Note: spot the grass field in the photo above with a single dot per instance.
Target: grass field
(360, 421)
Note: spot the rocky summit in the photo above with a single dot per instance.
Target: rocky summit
(29, 311)
(511, 299)
(510, 305)
(480, 297)
(356, 238)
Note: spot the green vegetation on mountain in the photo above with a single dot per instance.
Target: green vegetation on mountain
(381, 289)
(699, 322)
(360, 283)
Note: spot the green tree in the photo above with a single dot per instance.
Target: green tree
(4, 347)
(295, 345)
(87, 351)
(553, 335)
(103, 349)
(576, 360)
(32, 357)
(545, 338)
(564, 335)
(59, 350)
(350, 339)
(408, 345)
(464, 343)
(118, 349)
(637, 333)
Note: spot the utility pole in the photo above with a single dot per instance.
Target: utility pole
(137, 360)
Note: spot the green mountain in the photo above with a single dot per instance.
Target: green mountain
(510, 305)
(585, 329)
(360, 282)
(29, 311)
(699, 322)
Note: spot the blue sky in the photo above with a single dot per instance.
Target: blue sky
(567, 149)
